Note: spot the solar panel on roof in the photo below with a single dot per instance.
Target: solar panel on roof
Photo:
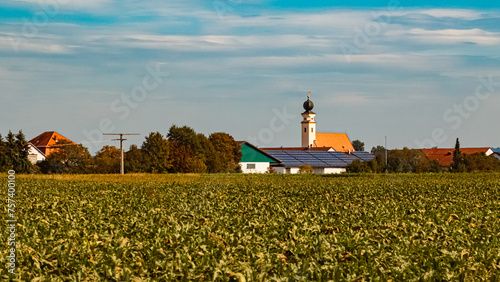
(364, 156)
(336, 161)
(337, 165)
(328, 157)
(293, 164)
(350, 157)
(320, 153)
(315, 163)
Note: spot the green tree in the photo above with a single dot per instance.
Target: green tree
(14, 153)
(398, 161)
(134, 160)
(228, 152)
(378, 149)
(358, 145)
(305, 169)
(69, 158)
(458, 164)
(187, 151)
(184, 160)
(357, 166)
(185, 135)
(479, 162)
(5, 163)
(107, 160)
(208, 152)
(156, 153)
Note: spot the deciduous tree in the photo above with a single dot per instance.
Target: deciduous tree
(134, 160)
(228, 152)
(156, 153)
(187, 151)
(358, 145)
(107, 160)
(69, 158)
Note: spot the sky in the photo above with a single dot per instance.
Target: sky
(420, 73)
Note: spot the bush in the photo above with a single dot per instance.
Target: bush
(305, 169)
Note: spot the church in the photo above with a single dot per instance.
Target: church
(324, 152)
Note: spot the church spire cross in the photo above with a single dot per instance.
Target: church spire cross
(309, 95)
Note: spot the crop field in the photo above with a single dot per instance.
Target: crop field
(256, 228)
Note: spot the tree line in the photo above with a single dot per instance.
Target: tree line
(181, 150)
(14, 151)
(415, 161)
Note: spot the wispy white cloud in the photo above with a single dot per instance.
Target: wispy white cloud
(454, 36)
(65, 4)
(12, 42)
(451, 13)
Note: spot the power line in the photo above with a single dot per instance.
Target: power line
(122, 170)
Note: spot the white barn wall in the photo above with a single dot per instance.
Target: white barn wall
(35, 155)
(280, 169)
(326, 170)
(259, 167)
(334, 170)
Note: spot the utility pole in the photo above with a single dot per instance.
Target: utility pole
(386, 153)
(122, 170)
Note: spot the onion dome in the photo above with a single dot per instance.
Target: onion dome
(308, 105)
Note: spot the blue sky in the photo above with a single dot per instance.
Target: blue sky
(418, 72)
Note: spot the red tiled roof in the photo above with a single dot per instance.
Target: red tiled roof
(445, 155)
(338, 141)
(47, 141)
(297, 149)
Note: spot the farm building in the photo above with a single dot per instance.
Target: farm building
(35, 155)
(445, 155)
(324, 152)
(254, 160)
(46, 142)
(322, 161)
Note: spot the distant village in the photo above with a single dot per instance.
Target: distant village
(183, 150)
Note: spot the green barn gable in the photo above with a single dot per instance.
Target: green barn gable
(251, 154)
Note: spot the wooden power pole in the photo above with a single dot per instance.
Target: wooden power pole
(122, 169)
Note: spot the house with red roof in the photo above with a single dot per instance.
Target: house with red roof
(444, 156)
(47, 142)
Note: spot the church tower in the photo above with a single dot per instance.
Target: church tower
(308, 124)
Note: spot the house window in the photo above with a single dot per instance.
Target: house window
(250, 166)
(305, 130)
(312, 129)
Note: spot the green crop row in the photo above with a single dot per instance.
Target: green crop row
(257, 228)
